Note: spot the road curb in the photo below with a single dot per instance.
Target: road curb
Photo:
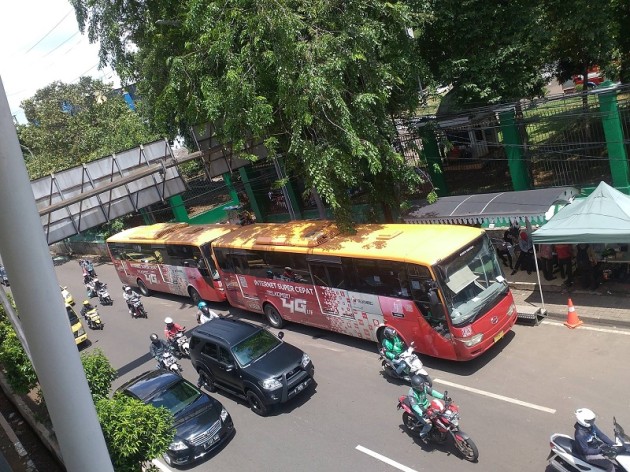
(45, 435)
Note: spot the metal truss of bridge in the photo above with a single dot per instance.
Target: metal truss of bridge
(89, 195)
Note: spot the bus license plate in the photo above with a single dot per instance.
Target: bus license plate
(498, 336)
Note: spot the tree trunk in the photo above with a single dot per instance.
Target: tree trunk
(321, 209)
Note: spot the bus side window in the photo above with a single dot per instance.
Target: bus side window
(327, 275)
(418, 278)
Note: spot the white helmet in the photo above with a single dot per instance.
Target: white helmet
(168, 320)
(585, 417)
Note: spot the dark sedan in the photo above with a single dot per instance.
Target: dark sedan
(201, 422)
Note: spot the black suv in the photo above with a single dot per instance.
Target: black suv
(250, 362)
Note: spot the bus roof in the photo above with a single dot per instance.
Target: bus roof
(172, 233)
(425, 243)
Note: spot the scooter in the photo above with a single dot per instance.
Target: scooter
(93, 319)
(444, 417)
(169, 362)
(103, 295)
(137, 308)
(180, 346)
(4, 278)
(562, 458)
(413, 366)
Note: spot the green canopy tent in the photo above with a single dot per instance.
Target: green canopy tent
(602, 217)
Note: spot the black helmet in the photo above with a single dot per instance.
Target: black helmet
(389, 333)
(153, 337)
(417, 383)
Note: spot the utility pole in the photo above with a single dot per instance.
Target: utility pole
(42, 313)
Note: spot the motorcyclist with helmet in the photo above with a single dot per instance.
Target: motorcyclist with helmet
(157, 348)
(204, 313)
(86, 308)
(419, 401)
(172, 329)
(393, 346)
(130, 297)
(590, 442)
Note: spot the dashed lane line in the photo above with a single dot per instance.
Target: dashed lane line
(496, 396)
(591, 328)
(384, 459)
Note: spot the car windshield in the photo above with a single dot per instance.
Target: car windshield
(254, 347)
(72, 316)
(176, 397)
(472, 280)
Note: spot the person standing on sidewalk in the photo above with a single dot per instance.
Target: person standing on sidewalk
(565, 261)
(526, 256)
(586, 266)
(545, 252)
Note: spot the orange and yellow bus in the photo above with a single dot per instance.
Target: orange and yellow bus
(440, 286)
(169, 257)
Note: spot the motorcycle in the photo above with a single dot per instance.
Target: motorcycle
(562, 458)
(93, 319)
(4, 278)
(90, 287)
(444, 417)
(67, 296)
(137, 308)
(413, 366)
(180, 346)
(103, 295)
(169, 362)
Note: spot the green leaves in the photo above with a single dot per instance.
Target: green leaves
(98, 372)
(134, 432)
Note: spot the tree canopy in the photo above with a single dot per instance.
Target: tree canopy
(318, 81)
(73, 123)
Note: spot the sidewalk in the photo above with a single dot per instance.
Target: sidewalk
(608, 305)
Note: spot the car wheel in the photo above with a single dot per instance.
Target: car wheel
(273, 316)
(256, 404)
(143, 288)
(194, 295)
(207, 380)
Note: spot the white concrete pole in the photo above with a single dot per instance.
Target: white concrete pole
(42, 312)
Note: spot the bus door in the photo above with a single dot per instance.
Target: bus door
(434, 332)
(244, 263)
(330, 290)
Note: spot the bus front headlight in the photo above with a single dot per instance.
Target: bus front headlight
(473, 340)
(512, 310)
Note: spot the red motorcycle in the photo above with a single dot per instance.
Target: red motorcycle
(444, 417)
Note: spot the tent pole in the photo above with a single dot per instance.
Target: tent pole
(542, 300)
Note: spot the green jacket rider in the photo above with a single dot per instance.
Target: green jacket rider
(393, 347)
(419, 400)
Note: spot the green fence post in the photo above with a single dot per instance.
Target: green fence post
(431, 155)
(253, 203)
(147, 217)
(514, 151)
(613, 131)
(227, 178)
(179, 209)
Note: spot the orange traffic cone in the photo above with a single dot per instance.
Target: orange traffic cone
(573, 320)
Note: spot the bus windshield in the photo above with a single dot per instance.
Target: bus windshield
(472, 280)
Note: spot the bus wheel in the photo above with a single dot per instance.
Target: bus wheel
(273, 316)
(143, 288)
(194, 294)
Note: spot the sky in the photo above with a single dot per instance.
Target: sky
(40, 43)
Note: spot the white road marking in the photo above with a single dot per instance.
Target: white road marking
(382, 458)
(590, 328)
(496, 396)
(160, 466)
